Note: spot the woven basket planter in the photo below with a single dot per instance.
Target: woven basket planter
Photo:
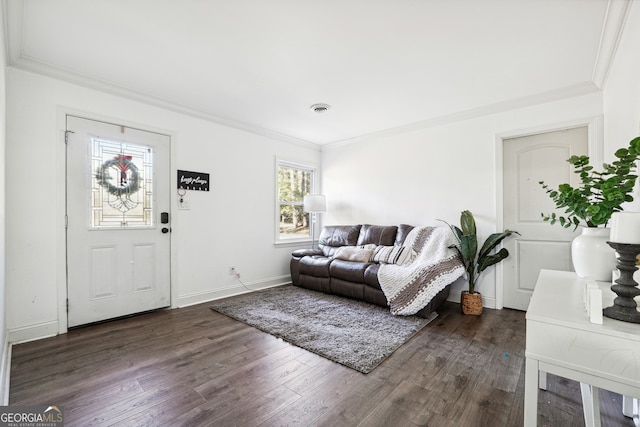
(471, 303)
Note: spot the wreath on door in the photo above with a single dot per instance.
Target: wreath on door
(127, 176)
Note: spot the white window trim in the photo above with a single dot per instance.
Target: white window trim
(314, 190)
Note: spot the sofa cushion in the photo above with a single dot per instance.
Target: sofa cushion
(334, 236)
(348, 270)
(400, 255)
(375, 296)
(320, 284)
(401, 235)
(347, 289)
(315, 266)
(371, 276)
(384, 235)
(354, 253)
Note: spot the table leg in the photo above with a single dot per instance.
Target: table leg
(532, 367)
(590, 405)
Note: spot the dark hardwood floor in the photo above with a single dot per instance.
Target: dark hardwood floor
(195, 367)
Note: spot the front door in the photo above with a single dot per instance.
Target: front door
(118, 235)
(527, 161)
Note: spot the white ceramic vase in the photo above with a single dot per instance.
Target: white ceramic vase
(592, 257)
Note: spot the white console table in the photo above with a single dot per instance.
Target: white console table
(562, 341)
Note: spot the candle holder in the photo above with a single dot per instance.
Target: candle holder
(624, 306)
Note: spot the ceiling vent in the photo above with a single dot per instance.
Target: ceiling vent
(320, 108)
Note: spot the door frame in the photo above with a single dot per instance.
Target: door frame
(61, 180)
(595, 131)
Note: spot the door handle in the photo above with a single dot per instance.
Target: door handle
(165, 230)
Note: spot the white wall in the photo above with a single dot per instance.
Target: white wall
(233, 224)
(421, 176)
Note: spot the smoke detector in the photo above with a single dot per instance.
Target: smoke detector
(320, 108)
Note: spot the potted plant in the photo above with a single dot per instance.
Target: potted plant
(475, 262)
(591, 204)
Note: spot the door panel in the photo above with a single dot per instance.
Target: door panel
(144, 259)
(539, 255)
(117, 186)
(103, 264)
(527, 161)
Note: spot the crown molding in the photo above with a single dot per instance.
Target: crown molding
(499, 107)
(14, 23)
(57, 73)
(612, 28)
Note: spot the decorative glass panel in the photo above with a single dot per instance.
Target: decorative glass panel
(122, 187)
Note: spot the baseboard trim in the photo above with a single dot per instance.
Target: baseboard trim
(229, 291)
(33, 332)
(5, 373)
(456, 295)
(50, 329)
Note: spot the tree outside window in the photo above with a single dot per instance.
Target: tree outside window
(294, 182)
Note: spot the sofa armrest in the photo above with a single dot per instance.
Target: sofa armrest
(297, 256)
(299, 253)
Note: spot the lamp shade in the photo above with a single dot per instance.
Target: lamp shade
(315, 203)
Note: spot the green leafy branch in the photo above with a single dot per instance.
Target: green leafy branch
(600, 194)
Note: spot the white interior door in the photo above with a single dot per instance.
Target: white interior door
(118, 240)
(527, 161)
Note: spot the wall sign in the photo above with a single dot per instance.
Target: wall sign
(193, 180)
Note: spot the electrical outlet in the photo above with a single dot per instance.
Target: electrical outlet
(232, 271)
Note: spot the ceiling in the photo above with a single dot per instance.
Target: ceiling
(383, 65)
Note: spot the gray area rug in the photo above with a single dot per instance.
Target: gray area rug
(352, 333)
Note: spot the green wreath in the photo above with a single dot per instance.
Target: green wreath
(104, 177)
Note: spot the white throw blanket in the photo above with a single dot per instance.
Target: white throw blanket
(410, 287)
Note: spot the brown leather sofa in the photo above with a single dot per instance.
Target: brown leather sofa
(316, 269)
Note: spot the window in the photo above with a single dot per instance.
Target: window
(294, 181)
(122, 187)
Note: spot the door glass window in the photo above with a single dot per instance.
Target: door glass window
(122, 187)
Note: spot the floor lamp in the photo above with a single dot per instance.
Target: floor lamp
(314, 204)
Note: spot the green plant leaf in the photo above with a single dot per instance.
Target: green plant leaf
(468, 223)
(469, 248)
(492, 259)
(492, 241)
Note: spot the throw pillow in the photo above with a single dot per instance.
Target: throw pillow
(368, 246)
(353, 253)
(400, 255)
(330, 251)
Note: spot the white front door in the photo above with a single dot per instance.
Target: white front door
(527, 161)
(118, 234)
